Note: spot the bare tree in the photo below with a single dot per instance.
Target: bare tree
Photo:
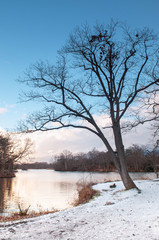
(153, 107)
(100, 70)
(12, 150)
(148, 110)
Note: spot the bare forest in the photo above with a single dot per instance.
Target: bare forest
(12, 151)
(138, 159)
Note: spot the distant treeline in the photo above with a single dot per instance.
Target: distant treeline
(139, 159)
(35, 165)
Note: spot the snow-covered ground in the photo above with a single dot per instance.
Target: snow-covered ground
(114, 215)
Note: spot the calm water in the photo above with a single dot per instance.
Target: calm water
(47, 189)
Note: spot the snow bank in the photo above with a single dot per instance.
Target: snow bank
(114, 215)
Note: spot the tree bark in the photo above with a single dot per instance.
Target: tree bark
(120, 155)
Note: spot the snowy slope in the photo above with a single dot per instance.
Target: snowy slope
(115, 215)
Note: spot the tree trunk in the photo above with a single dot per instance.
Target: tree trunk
(123, 171)
(127, 181)
(119, 156)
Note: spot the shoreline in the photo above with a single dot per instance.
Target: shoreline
(115, 214)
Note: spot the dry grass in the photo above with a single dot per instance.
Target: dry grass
(109, 203)
(23, 212)
(85, 193)
(19, 216)
(141, 178)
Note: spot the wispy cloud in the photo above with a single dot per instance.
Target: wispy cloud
(3, 110)
(49, 144)
(6, 108)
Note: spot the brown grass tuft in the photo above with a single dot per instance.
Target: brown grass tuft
(85, 193)
(18, 216)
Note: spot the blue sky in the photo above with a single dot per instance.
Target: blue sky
(32, 30)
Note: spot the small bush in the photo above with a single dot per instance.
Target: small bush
(23, 212)
(85, 193)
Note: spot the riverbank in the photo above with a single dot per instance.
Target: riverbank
(114, 215)
(7, 174)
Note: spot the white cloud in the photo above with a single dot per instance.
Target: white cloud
(142, 135)
(3, 110)
(6, 108)
(48, 144)
(53, 143)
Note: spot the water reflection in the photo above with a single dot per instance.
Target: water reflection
(47, 189)
(5, 192)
